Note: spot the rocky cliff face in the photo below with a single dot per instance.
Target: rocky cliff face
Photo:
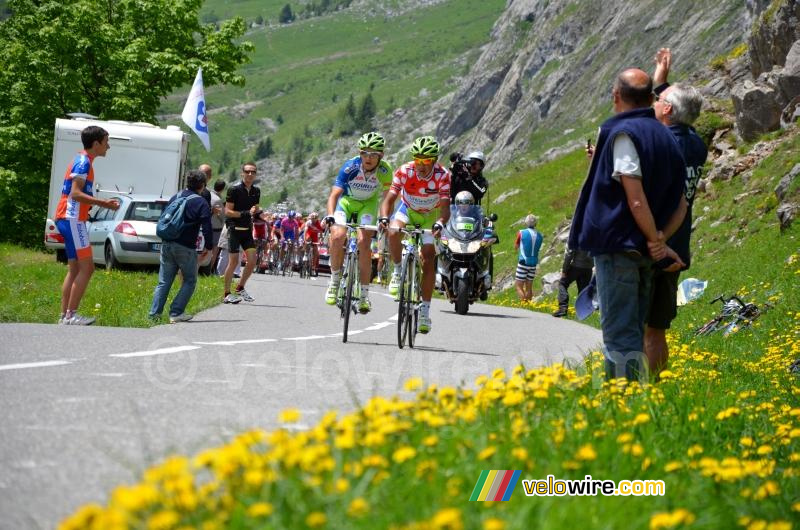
(550, 64)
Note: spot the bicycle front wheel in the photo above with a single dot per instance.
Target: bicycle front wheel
(403, 316)
(413, 301)
(351, 270)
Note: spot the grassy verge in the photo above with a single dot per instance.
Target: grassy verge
(31, 291)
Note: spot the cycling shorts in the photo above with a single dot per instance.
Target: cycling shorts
(366, 212)
(407, 216)
(288, 236)
(76, 238)
(240, 239)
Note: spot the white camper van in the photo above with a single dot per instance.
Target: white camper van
(144, 159)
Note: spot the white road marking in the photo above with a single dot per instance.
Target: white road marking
(42, 364)
(310, 337)
(112, 374)
(161, 351)
(235, 342)
(379, 325)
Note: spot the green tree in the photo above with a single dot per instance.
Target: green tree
(347, 118)
(286, 16)
(115, 60)
(284, 196)
(264, 149)
(366, 112)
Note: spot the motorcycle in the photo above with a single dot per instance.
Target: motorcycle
(463, 264)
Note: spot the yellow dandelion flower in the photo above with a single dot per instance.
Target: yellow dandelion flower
(696, 449)
(163, 520)
(341, 485)
(289, 416)
(764, 450)
(316, 519)
(637, 450)
(430, 441)
(513, 398)
(624, 438)
(641, 418)
(499, 373)
(672, 466)
(404, 453)
(358, 507)
(680, 516)
(796, 507)
(586, 453)
(520, 453)
(494, 524)
(666, 375)
(746, 441)
(260, 509)
(447, 518)
(415, 383)
(487, 453)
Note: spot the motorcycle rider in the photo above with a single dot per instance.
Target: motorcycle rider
(465, 205)
(468, 175)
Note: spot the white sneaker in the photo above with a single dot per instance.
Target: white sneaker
(79, 320)
(244, 296)
(232, 299)
(183, 317)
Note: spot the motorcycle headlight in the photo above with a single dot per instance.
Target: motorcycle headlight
(474, 246)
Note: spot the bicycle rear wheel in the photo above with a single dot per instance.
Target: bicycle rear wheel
(351, 269)
(403, 316)
(413, 302)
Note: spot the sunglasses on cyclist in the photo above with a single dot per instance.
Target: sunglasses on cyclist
(370, 154)
(426, 160)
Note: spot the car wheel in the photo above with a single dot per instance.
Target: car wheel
(110, 258)
(61, 255)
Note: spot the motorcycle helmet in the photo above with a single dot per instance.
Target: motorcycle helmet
(464, 201)
(425, 147)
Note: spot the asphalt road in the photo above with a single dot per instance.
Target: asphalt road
(84, 409)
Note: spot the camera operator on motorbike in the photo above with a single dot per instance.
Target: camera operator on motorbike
(423, 185)
(468, 175)
(360, 186)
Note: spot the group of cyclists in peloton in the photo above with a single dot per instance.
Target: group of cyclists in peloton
(285, 238)
(366, 192)
(365, 195)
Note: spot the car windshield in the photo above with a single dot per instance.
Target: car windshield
(145, 211)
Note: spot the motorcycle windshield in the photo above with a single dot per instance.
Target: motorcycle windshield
(466, 222)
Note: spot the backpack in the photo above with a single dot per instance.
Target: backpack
(172, 222)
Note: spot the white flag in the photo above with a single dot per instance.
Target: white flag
(194, 113)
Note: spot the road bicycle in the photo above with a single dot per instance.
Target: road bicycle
(287, 265)
(261, 256)
(735, 314)
(409, 291)
(307, 263)
(384, 271)
(349, 292)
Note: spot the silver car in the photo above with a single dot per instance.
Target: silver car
(127, 235)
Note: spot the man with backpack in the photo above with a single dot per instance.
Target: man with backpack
(178, 228)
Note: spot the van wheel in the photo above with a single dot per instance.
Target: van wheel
(61, 255)
(110, 258)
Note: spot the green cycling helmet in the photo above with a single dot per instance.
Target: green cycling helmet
(372, 140)
(425, 147)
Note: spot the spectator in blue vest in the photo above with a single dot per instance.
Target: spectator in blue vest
(676, 106)
(528, 243)
(181, 254)
(633, 189)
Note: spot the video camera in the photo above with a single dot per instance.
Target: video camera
(459, 166)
